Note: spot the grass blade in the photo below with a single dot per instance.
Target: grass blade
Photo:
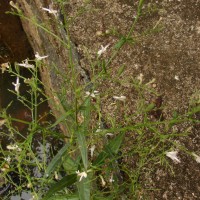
(61, 119)
(65, 182)
(84, 189)
(109, 150)
(82, 132)
(82, 147)
(64, 197)
(56, 160)
(120, 43)
(70, 165)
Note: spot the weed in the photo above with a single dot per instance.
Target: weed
(104, 155)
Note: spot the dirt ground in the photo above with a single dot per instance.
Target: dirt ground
(167, 50)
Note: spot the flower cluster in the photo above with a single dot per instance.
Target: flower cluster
(27, 65)
(92, 94)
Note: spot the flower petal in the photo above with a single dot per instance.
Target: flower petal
(38, 57)
(197, 158)
(103, 49)
(173, 156)
(121, 98)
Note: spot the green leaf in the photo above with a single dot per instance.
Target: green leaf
(64, 197)
(121, 70)
(69, 164)
(86, 113)
(110, 149)
(175, 115)
(103, 198)
(65, 182)
(56, 160)
(104, 66)
(120, 43)
(82, 132)
(150, 107)
(194, 110)
(61, 119)
(140, 5)
(84, 189)
(82, 145)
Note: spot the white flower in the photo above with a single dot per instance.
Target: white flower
(109, 134)
(56, 175)
(98, 130)
(14, 147)
(29, 185)
(176, 78)
(14, 5)
(92, 148)
(51, 11)
(4, 66)
(111, 179)
(17, 84)
(94, 94)
(103, 49)
(140, 78)
(38, 57)
(2, 122)
(173, 156)
(197, 158)
(103, 183)
(5, 167)
(8, 159)
(81, 174)
(26, 64)
(121, 98)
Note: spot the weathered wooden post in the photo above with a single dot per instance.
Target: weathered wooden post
(43, 24)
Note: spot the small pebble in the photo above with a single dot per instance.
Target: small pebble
(99, 33)
(176, 78)
(107, 31)
(154, 85)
